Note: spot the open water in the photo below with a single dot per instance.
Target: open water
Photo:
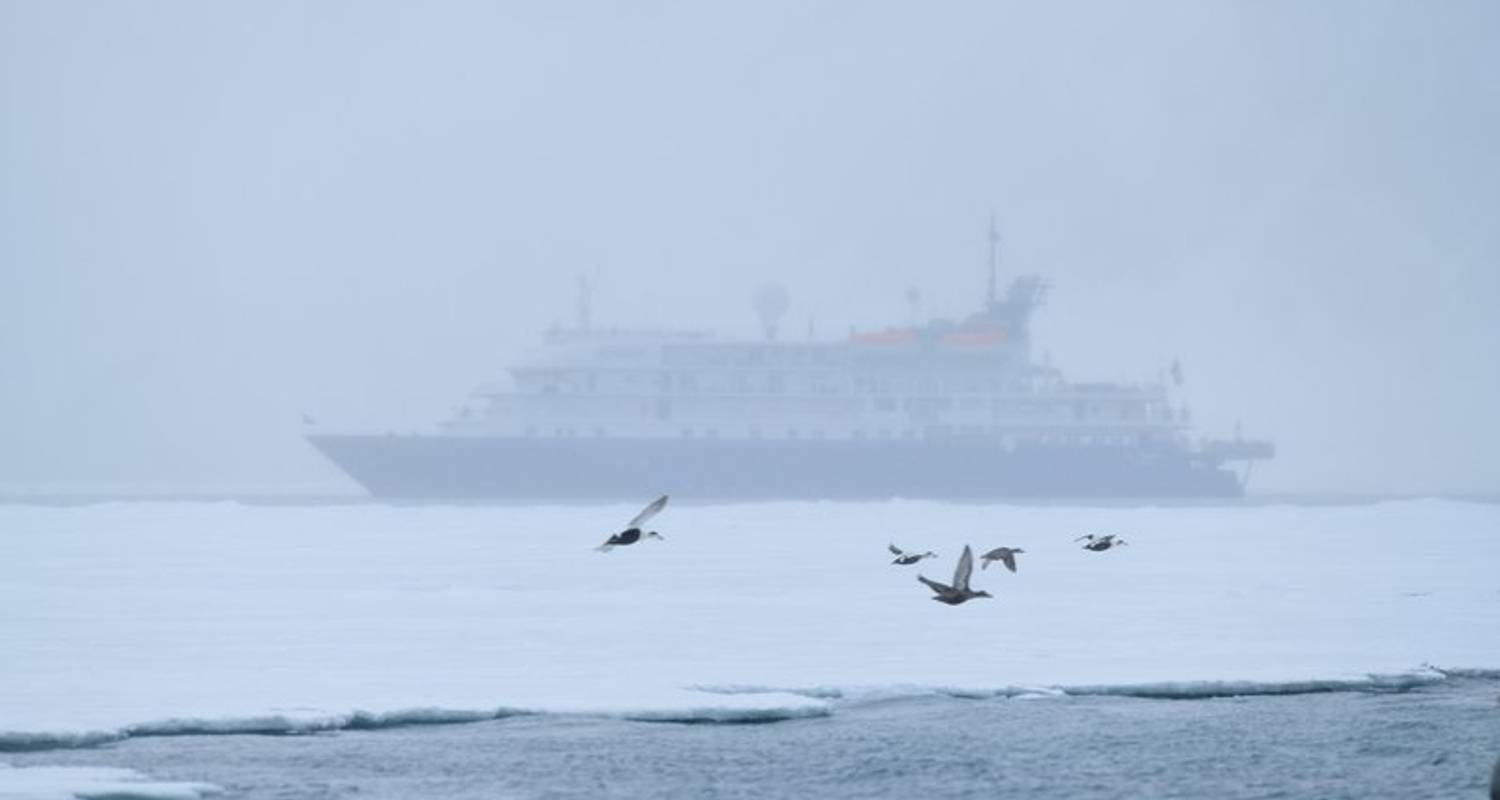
(1439, 741)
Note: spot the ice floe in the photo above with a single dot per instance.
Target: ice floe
(123, 620)
(93, 783)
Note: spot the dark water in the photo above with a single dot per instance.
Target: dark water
(1433, 742)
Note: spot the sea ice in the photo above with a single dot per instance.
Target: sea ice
(92, 783)
(142, 618)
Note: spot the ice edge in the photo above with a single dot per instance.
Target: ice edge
(828, 698)
(280, 725)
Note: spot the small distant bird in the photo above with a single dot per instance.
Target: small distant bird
(907, 559)
(1099, 544)
(1005, 555)
(632, 532)
(959, 592)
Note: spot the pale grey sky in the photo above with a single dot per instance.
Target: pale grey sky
(216, 217)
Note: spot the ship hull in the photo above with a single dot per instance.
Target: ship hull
(479, 468)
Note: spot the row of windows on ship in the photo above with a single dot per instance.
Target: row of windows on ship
(720, 355)
(919, 408)
(563, 382)
(1005, 436)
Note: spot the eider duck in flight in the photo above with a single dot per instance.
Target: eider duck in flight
(959, 592)
(1099, 544)
(632, 532)
(1005, 555)
(907, 559)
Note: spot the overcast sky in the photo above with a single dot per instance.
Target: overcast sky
(217, 217)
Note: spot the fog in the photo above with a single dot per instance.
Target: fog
(215, 219)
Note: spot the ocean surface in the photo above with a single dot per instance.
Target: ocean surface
(159, 649)
(1430, 742)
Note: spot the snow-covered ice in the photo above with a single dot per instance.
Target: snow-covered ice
(141, 618)
(91, 783)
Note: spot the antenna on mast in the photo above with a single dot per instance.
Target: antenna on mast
(994, 248)
(585, 302)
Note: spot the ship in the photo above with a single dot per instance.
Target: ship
(946, 409)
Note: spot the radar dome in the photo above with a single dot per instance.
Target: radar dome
(771, 302)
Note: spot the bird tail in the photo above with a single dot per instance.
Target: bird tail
(605, 548)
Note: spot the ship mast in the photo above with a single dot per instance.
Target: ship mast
(994, 248)
(585, 302)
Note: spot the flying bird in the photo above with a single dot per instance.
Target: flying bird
(1099, 544)
(632, 532)
(959, 592)
(906, 559)
(1005, 555)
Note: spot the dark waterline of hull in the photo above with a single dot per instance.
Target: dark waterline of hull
(457, 467)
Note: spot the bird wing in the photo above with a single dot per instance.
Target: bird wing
(1008, 558)
(964, 570)
(935, 586)
(1088, 536)
(894, 549)
(648, 512)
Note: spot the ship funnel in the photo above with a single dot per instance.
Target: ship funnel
(771, 302)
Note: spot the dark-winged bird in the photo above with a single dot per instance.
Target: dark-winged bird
(907, 559)
(1005, 555)
(632, 532)
(959, 592)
